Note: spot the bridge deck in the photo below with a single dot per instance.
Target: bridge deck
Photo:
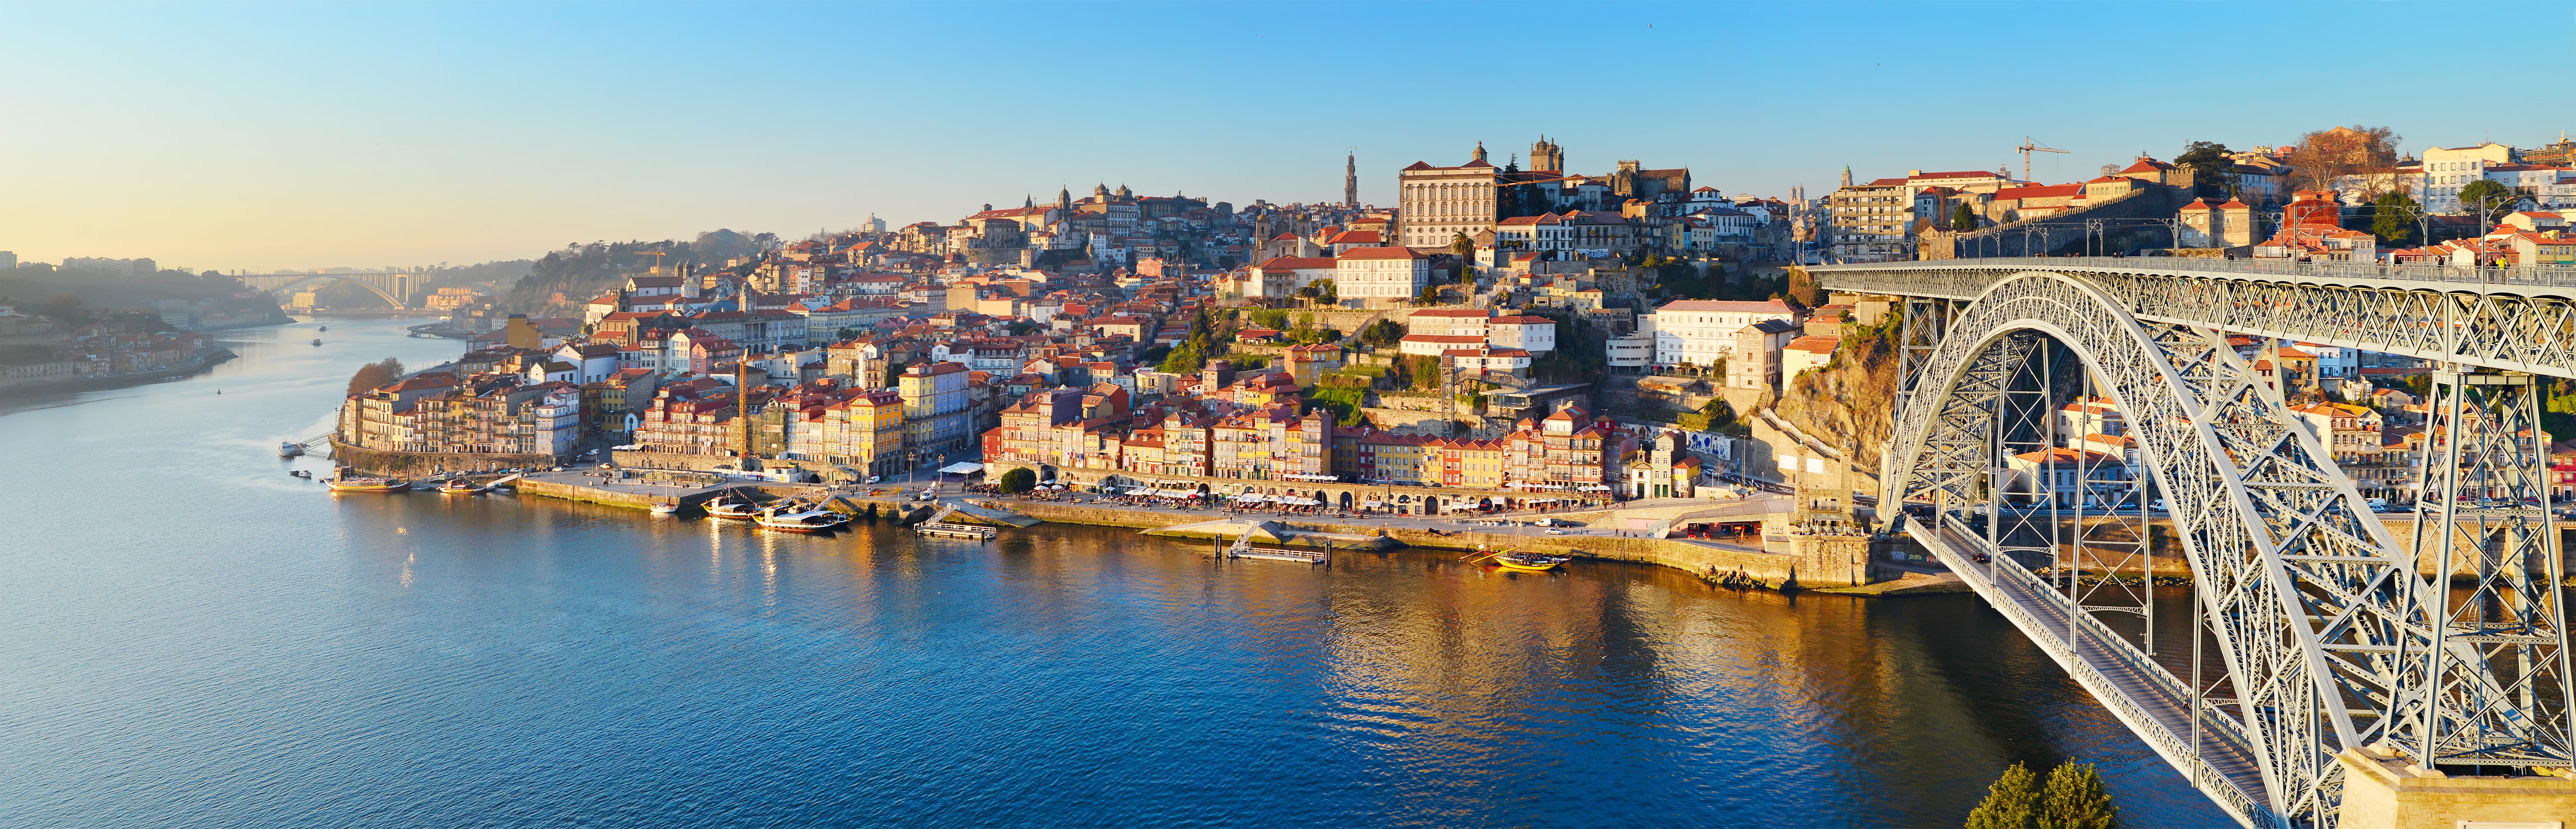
(2150, 700)
(2536, 280)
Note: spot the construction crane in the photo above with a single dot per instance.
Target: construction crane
(2027, 147)
(657, 259)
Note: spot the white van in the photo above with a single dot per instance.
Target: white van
(2378, 505)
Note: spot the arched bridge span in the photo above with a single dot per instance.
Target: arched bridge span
(2328, 633)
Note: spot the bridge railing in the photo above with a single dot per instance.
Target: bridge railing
(2556, 276)
(2239, 803)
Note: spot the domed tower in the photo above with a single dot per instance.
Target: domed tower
(1064, 200)
(1480, 151)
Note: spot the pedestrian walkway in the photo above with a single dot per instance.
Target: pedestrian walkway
(2150, 700)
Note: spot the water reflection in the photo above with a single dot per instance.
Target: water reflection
(265, 654)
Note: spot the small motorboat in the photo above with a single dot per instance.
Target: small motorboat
(317, 341)
(321, 329)
(733, 510)
(802, 521)
(501, 489)
(368, 484)
(458, 486)
(666, 508)
(289, 449)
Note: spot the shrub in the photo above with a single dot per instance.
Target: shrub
(1019, 480)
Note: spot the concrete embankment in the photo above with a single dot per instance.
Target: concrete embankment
(1700, 559)
(1829, 562)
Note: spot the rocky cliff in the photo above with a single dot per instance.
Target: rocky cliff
(1849, 402)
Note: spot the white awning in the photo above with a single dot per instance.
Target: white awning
(961, 468)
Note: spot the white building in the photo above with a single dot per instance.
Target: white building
(1536, 335)
(2447, 169)
(1448, 322)
(1806, 354)
(2334, 361)
(1435, 204)
(1434, 345)
(1632, 351)
(2091, 416)
(1281, 276)
(1700, 331)
(1383, 274)
(2069, 477)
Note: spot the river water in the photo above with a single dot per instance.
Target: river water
(193, 638)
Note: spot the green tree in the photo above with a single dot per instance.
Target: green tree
(2011, 803)
(374, 374)
(1382, 332)
(2488, 199)
(2075, 799)
(1465, 248)
(1963, 218)
(1425, 370)
(1019, 480)
(2209, 165)
(2393, 218)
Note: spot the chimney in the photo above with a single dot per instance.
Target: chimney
(1913, 173)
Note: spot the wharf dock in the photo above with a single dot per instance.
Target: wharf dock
(1243, 549)
(942, 529)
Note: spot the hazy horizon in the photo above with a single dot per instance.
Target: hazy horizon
(286, 136)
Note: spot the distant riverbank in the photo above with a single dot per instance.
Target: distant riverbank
(213, 357)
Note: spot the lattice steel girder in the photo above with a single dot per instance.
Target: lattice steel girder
(2473, 325)
(2317, 622)
(2502, 694)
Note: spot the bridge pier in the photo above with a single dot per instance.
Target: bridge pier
(2382, 790)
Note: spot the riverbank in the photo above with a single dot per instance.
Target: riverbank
(212, 358)
(1808, 562)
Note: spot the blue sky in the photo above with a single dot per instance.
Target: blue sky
(267, 136)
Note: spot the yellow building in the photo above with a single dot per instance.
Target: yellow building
(866, 433)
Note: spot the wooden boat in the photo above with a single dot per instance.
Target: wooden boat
(666, 508)
(733, 510)
(368, 484)
(458, 486)
(1530, 562)
(802, 521)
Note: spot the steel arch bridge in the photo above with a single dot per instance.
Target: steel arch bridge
(2329, 633)
(396, 288)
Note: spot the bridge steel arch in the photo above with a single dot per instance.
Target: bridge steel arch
(401, 282)
(2321, 624)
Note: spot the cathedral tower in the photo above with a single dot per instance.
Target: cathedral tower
(1546, 155)
(1480, 151)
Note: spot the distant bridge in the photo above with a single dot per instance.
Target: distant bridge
(2328, 633)
(396, 288)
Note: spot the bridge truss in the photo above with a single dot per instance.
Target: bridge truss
(2331, 634)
